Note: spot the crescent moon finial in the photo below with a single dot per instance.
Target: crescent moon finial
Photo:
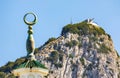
(30, 44)
(30, 23)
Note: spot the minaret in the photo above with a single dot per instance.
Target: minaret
(31, 68)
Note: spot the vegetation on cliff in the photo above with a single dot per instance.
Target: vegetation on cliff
(84, 46)
(50, 40)
(5, 71)
(82, 29)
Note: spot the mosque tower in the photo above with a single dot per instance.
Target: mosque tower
(31, 68)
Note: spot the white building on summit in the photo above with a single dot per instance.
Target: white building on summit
(90, 21)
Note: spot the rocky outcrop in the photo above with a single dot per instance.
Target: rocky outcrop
(83, 50)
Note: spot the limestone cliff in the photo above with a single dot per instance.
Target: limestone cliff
(83, 50)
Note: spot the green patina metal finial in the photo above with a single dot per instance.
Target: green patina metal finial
(30, 44)
(30, 65)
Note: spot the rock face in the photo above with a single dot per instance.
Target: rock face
(83, 50)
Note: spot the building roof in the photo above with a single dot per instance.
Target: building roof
(31, 64)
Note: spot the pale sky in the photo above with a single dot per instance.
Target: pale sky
(53, 15)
